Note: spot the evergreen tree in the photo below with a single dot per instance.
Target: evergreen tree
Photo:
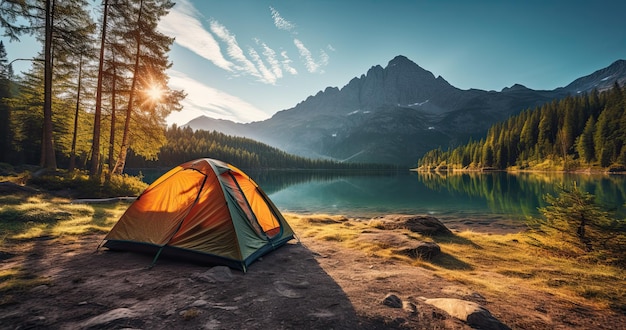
(149, 98)
(27, 117)
(564, 129)
(94, 169)
(6, 73)
(57, 25)
(576, 217)
(584, 144)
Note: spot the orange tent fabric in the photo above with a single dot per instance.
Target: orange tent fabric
(206, 210)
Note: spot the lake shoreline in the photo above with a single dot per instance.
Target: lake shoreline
(512, 171)
(495, 225)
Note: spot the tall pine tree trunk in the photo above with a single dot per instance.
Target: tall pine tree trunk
(73, 151)
(48, 158)
(113, 121)
(121, 160)
(95, 146)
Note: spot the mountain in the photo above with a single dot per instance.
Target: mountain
(397, 113)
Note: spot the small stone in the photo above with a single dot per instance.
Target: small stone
(39, 288)
(392, 301)
(215, 274)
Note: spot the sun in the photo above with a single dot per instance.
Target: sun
(154, 93)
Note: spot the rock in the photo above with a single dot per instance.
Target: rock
(425, 225)
(464, 293)
(470, 312)
(215, 274)
(290, 289)
(213, 324)
(392, 301)
(402, 244)
(421, 250)
(40, 288)
(112, 315)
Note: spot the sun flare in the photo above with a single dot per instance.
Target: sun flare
(154, 92)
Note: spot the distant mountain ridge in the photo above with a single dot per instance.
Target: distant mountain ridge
(397, 113)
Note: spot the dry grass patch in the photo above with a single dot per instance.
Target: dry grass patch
(40, 215)
(494, 264)
(502, 262)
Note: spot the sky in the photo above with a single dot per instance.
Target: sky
(245, 60)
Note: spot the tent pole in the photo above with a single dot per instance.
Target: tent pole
(156, 257)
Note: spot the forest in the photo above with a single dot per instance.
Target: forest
(583, 132)
(184, 144)
(97, 89)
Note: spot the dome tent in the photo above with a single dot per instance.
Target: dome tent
(205, 210)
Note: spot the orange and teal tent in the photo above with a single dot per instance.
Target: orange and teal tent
(204, 210)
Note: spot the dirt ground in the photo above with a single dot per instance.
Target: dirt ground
(303, 285)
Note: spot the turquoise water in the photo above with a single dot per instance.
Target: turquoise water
(475, 195)
(471, 194)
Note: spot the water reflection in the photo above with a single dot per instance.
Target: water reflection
(515, 196)
(472, 195)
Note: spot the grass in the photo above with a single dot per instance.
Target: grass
(490, 263)
(518, 261)
(43, 215)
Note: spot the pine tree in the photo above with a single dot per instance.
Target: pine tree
(574, 216)
(149, 99)
(6, 73)
(584, 143)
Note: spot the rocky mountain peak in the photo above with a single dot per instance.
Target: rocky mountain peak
(515, 87)
(600, 80)
(396, 113)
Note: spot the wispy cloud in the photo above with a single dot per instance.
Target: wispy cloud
(220, 46)
(266, 74)
(280, 22)
(202, 99)
(233, 50)
(286, 62)
(182, 22)
(312, 65)
(270, 57)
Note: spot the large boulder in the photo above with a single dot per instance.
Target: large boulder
(421, 250)
(468, 311)
(401, 244)
(422, 224)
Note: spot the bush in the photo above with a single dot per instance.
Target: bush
(124, 185)
(79, 185)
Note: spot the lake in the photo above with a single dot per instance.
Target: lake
(492, 195)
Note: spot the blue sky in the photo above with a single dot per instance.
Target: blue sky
(244, 60)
